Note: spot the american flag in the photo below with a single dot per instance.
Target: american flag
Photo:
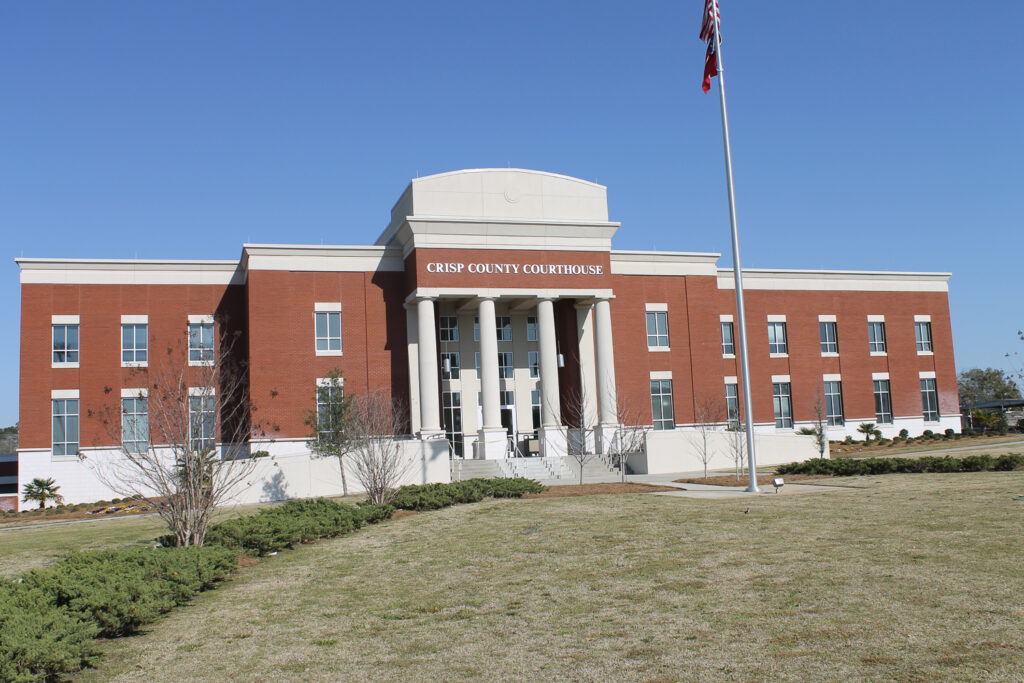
(707, 34)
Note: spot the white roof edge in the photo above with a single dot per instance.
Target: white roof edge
(867, 274)
(511, 221)
(638, 255)
(27, 263)
(318, 247)
(520, 170)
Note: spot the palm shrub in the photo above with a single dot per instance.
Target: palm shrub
(42, 491)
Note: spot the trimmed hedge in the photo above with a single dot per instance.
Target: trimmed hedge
(845, 467)
(435, 496)
(49, 620)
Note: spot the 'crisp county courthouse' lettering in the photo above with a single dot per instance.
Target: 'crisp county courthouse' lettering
(514, 268)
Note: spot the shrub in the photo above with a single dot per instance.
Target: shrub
(929, 433)
(904, 433)
(850, 467)
(435, 496)
(260, 454)
(950, 433)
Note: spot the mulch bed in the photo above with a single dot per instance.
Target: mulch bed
(762, 479)
(571, 490)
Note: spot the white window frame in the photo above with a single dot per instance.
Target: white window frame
(534, 362)
(330, 384)
(65, 321)
(59, 399)
(657, 340)
(202, 394)
(882, 391)
(782, 403)
(659, 381)
(531, 328)
(929, 387)
(725, 322)
(327, 309)
(829, 347)
(135, 395)
(777, 349)
(506, 370)
(833, 401)
(448, 328)
(732, 402)
(453, 358)
(925, 347)
(877, 347)
(135, 322)
(202, 322)
(451, 406)
(503, 327)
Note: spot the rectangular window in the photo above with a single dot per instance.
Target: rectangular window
(782, 398)
(451, 412)
(476, 328)
(657, 329)
(505, 364)
(930, 400)
(328, 332)
(329, 397)
(661, 404)
(65, 344)
(834, 404)
(923, 333)
(450, 365)
(777, 338)
(883, 402)
(829, 337)
(200, 343)
(476, 362)
(449, 328)
(202, 422)
(732, 405)
(534, 358)
(728, 340)
(504, 328)
(531, 328)
(876, 337)
(135, 424)
(535, 408)
(134, 344)
(65, 426)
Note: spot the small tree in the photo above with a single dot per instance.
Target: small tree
(331, 435)
(42, 491)
(820, 425)
(738, 446)
(867, 429)
(580, 437)
(708, 416)
(374, 423)
(629, 437)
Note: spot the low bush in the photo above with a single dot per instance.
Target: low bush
(435, 496)
(850, 467)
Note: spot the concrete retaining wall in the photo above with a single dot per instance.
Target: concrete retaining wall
(677, 450)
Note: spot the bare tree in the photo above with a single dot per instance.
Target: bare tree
(169, 434)
(580, 446)
(331, 434)
(630, 436)
(376, 421)
(738, 446)
(708, 415)
(820, 424)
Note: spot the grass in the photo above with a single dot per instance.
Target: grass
(908, 577)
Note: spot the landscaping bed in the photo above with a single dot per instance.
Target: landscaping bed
(571, 490)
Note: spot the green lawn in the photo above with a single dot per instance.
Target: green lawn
(908, 577)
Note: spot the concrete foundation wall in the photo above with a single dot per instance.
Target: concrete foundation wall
(677, 450)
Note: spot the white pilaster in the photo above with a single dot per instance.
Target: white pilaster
(492, 438)
(607, 399)
(430, 413)
(552, 433)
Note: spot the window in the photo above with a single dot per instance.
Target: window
(535, 408)
(829, 337)
(200, 343)
(777, 338)
(202, 422)
(534, 358)
(883, 402)
(328, 332)
(657, 329)
(728, 340)
(450, 365)
(65, 426)
(876, 337)
(661, 404)
(449, 328)
(531, 328)
(929, 400)
(65, 344)
(330, 394)
(135, 423)
(476, 363)
(134, 344)
(732, 405)
(782, 398)
(923, 333)
(505, 364)
(476, 328)
(834, 404)
(504, 328)
(451, 412)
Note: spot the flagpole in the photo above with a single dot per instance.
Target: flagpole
(737, 271)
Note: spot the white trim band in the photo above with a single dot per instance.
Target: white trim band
(876, 318)
(780, 378)
(656, 307)
(826, 318)
(327, 307)
(879, 375)
(832, 378)
(134, 319)
(922, 318)
(200, 319)
(661, 374)
(64, 320)
(725, 318)
(776, 318)
(64, 393)
(134, 393)
(926, 374)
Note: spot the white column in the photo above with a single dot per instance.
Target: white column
(550, 402)
(492, 439)
(607, 401)
(430, 414)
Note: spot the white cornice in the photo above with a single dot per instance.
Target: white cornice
(507, 292)
(625, 262)
(836, 280)
(319, 257)
(442, 232)
(130, 271)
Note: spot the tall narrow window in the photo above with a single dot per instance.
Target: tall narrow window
(876, 337)
(65, 426)
(134, 344)
(782, 399)
(728, 340)
(200, 342)
(777, 338)
(534, 358)
(661, 404)
(451, 412)
(923, 333)
(829, 337)
(505, 364)
(929, 400)
(476, 328)
(531, 328)
(883, 402)
(503, 325)
(202, 422)
(330, 406)
(135, 424)
(448, 328)
(450, 365)
(834, 404)
(535, 408)
(65, 344)
(657, 329)
(328, 332)
(732, 405)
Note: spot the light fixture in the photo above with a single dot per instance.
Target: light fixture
(561, 360)
(778, 483)
(446, 363)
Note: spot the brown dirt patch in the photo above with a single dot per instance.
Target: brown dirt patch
(572, 490)
(398, 514)
(246, 561)
(762, 479)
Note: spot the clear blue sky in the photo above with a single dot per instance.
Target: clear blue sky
(867, 135)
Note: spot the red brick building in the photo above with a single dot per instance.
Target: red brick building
(494, 305)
